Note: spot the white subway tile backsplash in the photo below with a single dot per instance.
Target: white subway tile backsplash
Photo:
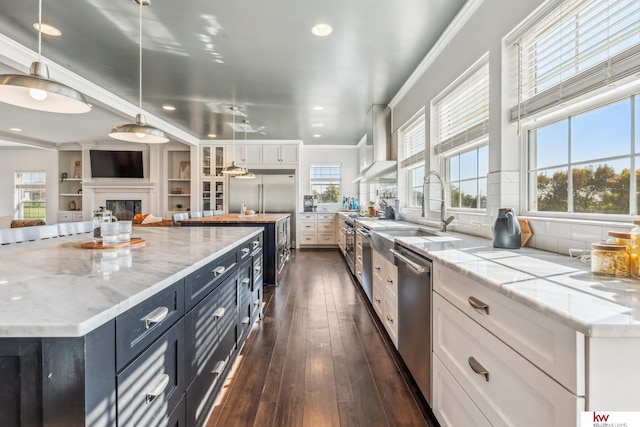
(546, 243)
(565, 244)
(561, 230)
(587, 233)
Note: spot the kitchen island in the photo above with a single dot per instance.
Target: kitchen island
(277, 238)
(131, 336)
(523, 336)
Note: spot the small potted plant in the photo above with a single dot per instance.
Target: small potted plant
(179, 206)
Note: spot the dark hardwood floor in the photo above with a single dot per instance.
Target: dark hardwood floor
(317, 358)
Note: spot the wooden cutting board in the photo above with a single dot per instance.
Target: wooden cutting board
(133, 243)
(525, 231)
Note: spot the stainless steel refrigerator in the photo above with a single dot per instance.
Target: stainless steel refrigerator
(272, 191)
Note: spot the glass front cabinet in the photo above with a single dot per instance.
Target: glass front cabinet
(213, 181)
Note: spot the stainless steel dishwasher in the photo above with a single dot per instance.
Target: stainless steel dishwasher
(414, 315)
(367, 262)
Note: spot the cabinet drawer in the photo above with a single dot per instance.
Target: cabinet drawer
(326, 217)
(244, 280)
(65, 216)
(390, 282)
(139, 326)
(77, 216)
(243, 253)
(326, 239)
(308, 226)
(553, 347)
(326, 227)
(177, 418)
(204, 325)
(451, 405)
(378, 300)
(153, 384)
(308, 216)
(390, 319)
(514, 392)
(308, 239)
(199, 283)
(257, 268)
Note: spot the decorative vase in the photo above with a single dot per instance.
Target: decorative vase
(72, 205)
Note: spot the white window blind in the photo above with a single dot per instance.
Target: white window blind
(580, 46)
(413, 143)
(462, 115)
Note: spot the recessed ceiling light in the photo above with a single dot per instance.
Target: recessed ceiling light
(321, 30)
(316, 135)
(168, 107)
(317, 125)
(47, 29)
(16, 129)
(212, 135)
(318, 108)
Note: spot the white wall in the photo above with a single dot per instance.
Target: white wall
(28, 159)
(347, 156)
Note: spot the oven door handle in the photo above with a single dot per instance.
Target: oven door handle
(417, 267)
(363, 232)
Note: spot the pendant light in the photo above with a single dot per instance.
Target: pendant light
(246, 174)
(37, 91)
(139, 131)
(233, 169)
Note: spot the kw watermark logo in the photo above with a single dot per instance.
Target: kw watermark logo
(610, 419)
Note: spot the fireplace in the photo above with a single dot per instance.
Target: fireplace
(124, 209)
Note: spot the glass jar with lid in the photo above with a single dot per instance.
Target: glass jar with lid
(635, 250)
(609, 259)
(624, 238)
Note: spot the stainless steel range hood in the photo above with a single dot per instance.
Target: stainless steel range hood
(384, 164)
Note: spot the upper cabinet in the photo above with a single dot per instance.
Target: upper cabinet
(212, 161)
(281, 153)
(246, 153)
(263, 154)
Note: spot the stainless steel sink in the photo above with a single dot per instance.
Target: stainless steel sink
(409, 233)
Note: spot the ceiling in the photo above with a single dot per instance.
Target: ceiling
(203, 57)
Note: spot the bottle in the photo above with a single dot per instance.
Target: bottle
(243, 208)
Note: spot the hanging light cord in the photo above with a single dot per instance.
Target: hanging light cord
(39, 30)
(140, 60)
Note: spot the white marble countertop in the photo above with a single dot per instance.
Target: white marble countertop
(558, 286)
(53, 288)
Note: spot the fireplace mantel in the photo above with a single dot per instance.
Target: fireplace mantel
(118, 185)
(96, 193)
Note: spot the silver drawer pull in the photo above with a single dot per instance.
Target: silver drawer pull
(389, 318)
(219, 270)
(156, 316)
(217, 370)
(478, 368)
(246, 320)
(256, 243)
(256, 302)
(377, 267)
(219, 313)
(478, 305)
(389, 280)
(245, 252)
(158, 387)
(246, 281)
(377, 299)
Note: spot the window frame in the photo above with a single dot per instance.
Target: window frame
(598, 100)
(18, 204)
(416, 121)
(442, 152)
(313, 180)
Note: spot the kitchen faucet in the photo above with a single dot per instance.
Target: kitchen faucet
(443, 209)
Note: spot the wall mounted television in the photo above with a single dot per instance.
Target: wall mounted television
(116, 164)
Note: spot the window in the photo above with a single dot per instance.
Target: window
(412, 163)
(326, 182)
(578, 47)
(466, 176)
(462, 134)
(585, 163)
(30, 189)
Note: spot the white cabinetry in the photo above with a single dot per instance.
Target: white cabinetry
(178, 180)
(385, 293)
(496, 356)
(243, 154)
(213, 183)
(281, 153)
(317, 229)
(70, 186)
